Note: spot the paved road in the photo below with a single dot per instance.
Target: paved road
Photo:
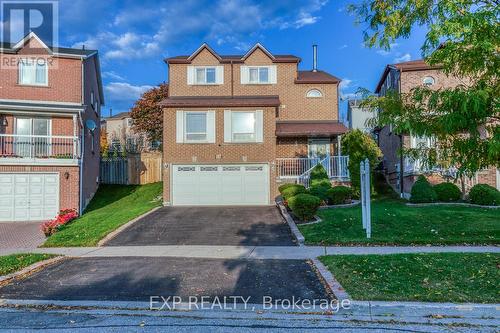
(244, 226)
(136, 279)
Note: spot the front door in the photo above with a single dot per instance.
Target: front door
(318, 148)
(32, 137)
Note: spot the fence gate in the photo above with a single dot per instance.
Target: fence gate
(114, 170)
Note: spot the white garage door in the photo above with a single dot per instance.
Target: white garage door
(246, 184)
(28, 196)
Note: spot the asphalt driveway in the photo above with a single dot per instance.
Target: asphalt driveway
(245, 226)
(138, 278)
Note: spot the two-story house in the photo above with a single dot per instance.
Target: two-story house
(236, 126)
(401, 78)
(50, 101)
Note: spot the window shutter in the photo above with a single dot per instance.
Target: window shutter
(244, 74)
(190, 75)
(273, 76)
(211, 126)
(227, 126)
(179, 126)
(259, 126)
(219, 74)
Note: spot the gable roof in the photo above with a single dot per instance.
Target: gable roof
(255, 47)
(201, 48)
(407, 66)
(316, 77)
(118, 116)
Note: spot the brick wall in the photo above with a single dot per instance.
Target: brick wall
(294, 104)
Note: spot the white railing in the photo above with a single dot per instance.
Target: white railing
(298, 169)
(416, 166)
(39, 146)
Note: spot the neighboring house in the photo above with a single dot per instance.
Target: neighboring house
(121, 135)
(358, 116)
(403, 77)
(237, 126)
(49, 132)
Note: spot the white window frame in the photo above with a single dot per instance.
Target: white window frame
(413, 141)
(428, 77)
(185, 115)
(254, 113)
(310, 93)
(192, 75)
(33, 64)
(258, 68)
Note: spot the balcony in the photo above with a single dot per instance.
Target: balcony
(417, 166)
(299, 169)
(39, 149)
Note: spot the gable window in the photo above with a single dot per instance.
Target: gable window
(314, 93)
(429, 81)
(203, 75)
(258, 74)
(243, 126)
(33, 72)
(195, 126)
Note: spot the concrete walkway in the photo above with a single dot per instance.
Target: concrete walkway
(25, 235)
(247, 252)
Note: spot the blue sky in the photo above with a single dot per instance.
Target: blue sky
(133, 38)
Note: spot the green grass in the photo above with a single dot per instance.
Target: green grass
(112, 206)
(15, 262)
(394, 223)
(437, 277)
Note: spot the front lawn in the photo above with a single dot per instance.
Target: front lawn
(112, 206)
(395, 223)
(438, 277)
(15, 262)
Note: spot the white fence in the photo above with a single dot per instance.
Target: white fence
(298, 169)
(39, 146)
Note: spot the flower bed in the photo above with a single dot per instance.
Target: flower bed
(64, 217)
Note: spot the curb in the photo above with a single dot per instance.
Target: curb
(113, 234)
(293, 227)
(463, 204)
(335, 287)
(6, 279)
(352, 204)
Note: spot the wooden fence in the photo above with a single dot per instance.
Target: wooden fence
(141, 168)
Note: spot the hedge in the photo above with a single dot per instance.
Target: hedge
(338, 195)
(422, 191)
(304, 206)
(483, 194)
(447, 192)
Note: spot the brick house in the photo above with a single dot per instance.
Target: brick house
(403, 77)
(50, 101)
(237, 126)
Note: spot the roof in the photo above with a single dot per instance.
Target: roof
(186, 59)
(221, 101)
(309, 128)
(315, 77)
(35, 106)
(407, 66)
(119, 116)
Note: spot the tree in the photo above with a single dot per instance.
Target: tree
(104, 142)
(147, 115)
(463, 37)
(359, 146)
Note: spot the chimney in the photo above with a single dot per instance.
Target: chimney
(315, 58)
(83, 47)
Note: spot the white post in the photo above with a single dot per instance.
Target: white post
(368, 200)
(362, 194)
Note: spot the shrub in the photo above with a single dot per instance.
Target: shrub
(483, 194)
(320, 190)
(64, 217)
(283, 187)
(338, 195)
(318, 173)
(321, 182)
(422, 191)
(304, 206)
(359, 146)
(447, 192)
(292, 191)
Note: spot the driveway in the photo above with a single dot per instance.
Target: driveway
(245, 226)
(138, 278)
(20, 235)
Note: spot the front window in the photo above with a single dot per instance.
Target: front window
(258, 74)
(32, 137)
(196, 126)
(205, 75)
(243, 126)
(314, 93)
(33, 72)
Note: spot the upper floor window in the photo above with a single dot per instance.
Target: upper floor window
(130, 122)
(33, 72)
(258, 74)
(203, 75)
(314, 93)
(429, 81)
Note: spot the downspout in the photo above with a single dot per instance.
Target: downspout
(232, 79)
(82, 143)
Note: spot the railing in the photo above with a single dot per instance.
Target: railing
(39, 146)
(416, 166)
(298, 169)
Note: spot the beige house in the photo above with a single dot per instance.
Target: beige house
(235, 127)
(121, 135)
(403, 77)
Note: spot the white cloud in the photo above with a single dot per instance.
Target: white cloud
(345, 85)
(403, 58)
(113, 76)
(383, 52)
(342, 47)
(122, 91)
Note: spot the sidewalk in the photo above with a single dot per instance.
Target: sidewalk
(245, 252)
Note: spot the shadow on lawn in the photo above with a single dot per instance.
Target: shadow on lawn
(107, 194)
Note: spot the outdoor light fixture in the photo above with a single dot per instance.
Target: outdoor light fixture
(66, 175)
(4, 122)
